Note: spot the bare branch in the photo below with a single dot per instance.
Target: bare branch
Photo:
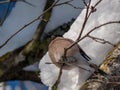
(87, 15)
(21, 75)
(104, 24)
(84, 3)
(28, 24)
(81, 31)
(74, 6)
(93, 8)
(68, 3)
(85, 20)
(24, 2)
(111, 66)
(64, 2)
(102, 41)
(97, 3)
(55, 86)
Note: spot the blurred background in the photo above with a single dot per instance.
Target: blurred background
(16, 85)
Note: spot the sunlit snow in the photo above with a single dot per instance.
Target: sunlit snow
(107, 10)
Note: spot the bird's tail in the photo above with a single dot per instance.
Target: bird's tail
(97, 70)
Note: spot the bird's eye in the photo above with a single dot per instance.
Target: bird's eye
(71, 59)
(60, 61)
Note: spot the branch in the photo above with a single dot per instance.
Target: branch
(85, 20)
(87, 15)
(81, 31)
(104, 24)
(111, 66)
(8, 7)
(102, 41)
(84, 3)
(55, 86)
(12, 57)
(28, 24)
(68, 3)
(21, 75)
(26, 55)
(33, 45)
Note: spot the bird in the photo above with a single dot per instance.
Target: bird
(75, 56)
(56, 52)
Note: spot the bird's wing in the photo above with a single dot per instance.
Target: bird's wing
(84, 54)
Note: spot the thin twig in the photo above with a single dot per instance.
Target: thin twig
(21, 75)
(68, 3)
(81, 31)
(74, 6)
(64, 3)
(102, 41)
(83, 26)
(55, 86)
(84, 3)
(97, 3)
(104, 24)
(28, 24)
(87, 15)
(93, 8)
(85, 20)
(25, 2)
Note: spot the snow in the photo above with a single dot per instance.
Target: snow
(1, 86)
(23, 13)
(7, 87)
(33, 67)
(72, 79)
